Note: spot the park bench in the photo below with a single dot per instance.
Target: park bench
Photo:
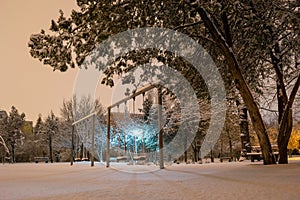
(225, 158)
(139, 158)
(258, 156)
(135, 158)
(255, 156)
(81, 159)
(41, 159)
(85, 159)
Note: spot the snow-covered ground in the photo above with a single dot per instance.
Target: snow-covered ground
(236, 180)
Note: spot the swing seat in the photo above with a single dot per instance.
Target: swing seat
(121, 158)
(139, 158)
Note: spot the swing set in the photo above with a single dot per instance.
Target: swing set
(133, 96)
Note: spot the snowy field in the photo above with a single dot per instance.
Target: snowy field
(244, 180)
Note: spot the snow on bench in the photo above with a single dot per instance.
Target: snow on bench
(124, 158)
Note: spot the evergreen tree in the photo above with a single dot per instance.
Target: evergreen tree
(12, 133)
(38, 126)
(51, 128)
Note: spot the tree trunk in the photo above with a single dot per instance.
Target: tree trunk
(230, 144)
(285, 118)
(286, 125)
(196, 150)
(282, 100)
(283, 155)
(221, 150)
(185, 156)
(285, 130)
(242, 86)
(283, 138)
(13, 160)
(185, 150)
(81, 151)
(50, 148)
(195, 156)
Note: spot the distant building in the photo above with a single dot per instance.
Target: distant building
(27, 129)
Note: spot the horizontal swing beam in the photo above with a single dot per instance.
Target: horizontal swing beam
(139, 92)
(84, 118)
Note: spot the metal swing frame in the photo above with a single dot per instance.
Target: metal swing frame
(135, 94)
(160, 134)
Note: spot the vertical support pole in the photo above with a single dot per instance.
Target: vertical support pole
(50, 148)
(93, 141)
(125, 149)
(143, 140)
(133, 105)
(125, 144)
(72, 148)
(160, 133)
(108, 138)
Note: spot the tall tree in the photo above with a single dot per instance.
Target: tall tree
(51, 127)
(230, 29)
(66, 110)
(273, 40)
(3, 144)
(239, 80)
(11, 126)
(40, 137)
(282, 40)
(75, 109)
(38, 126)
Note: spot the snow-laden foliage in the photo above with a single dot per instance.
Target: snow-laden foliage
(11, 130)
(259, 38)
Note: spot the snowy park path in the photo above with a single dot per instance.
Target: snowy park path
(194, 181)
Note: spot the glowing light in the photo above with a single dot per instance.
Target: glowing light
(136, 132)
